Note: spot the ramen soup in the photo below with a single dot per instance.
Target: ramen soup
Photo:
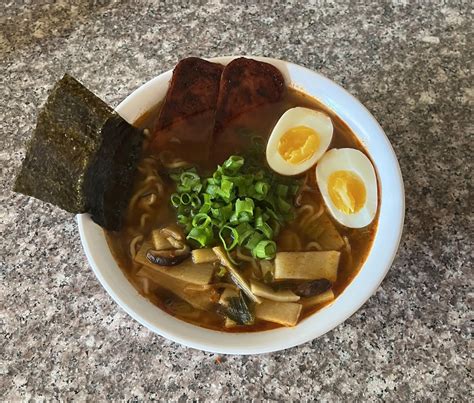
(237, 204)
(256, 228)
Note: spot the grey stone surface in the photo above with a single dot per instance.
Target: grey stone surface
(62, 336)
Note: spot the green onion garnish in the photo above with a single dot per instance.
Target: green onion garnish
(229, 237)
(201, 220)
(265, 250)
(241, 204)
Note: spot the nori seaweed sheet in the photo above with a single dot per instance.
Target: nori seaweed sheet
(82, 156)
(109, 181)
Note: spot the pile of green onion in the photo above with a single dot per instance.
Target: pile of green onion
(234, 206)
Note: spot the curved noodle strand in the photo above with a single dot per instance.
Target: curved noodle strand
(313, 245)
(348, 248)
(151, 183)
(204, 287)
(143, 219)
(304, 212)
(142, 192)
(145, 285)
(253, 262)
(146, 203)
(295, 242)
(150, 178)
(246, 258)
(169, 161)
(305, 187)
(133, 245)
(309, 220)
(298, 199)
(177, 163)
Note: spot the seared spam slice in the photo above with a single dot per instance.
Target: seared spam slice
(245, 84)
(190, 102)
(193, 89)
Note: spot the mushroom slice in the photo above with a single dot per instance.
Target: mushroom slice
(159, 241)
(173, 231)
(170, 257)
(175, 243)
(312, 288)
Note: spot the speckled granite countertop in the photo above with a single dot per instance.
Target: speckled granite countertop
(63, 337)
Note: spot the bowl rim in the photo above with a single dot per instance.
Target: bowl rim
(359, 290)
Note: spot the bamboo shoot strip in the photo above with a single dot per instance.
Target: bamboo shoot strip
(198, 299)
(186, 271)
(307, 265)
(326, 296)
(205, 255)
(284, 313)
(264, 291)
(234, 272)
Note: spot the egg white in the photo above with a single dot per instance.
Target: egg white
(349, 159)
(316, 120)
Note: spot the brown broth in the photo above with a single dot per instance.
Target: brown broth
(260, 120)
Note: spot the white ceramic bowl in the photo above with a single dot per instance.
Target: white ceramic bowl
(359, 290)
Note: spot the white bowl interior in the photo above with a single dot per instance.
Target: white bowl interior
(357, 292)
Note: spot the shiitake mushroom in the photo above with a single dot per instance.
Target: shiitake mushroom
(170, 257)
(312, 288)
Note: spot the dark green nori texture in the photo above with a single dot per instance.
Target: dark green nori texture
(82, 156)
(108, 184)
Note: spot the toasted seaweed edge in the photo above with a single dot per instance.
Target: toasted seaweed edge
(59, 150)
(37, 177)
(108, 182)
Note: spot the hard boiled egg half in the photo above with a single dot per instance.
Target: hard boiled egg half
(298, 140)
(347, 181)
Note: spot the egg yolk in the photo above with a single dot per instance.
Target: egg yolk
(298, 144)
(347, 191)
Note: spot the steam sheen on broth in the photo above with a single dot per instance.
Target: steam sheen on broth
(312, 229)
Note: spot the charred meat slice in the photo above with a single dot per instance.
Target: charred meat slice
(245, 84)
(193, 89)
(190, 101)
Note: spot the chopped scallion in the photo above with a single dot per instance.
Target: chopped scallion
(241, 203)
(265, 250)
(229, 237)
